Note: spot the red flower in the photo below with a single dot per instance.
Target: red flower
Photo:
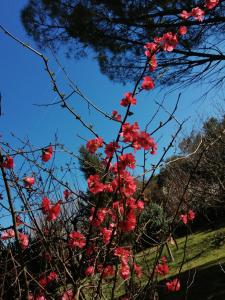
(43, 280)
(54, 211)
(68, 295)
(140, 205)
(198, 14)
(153, 63)
(122, 253)
(106, 235)
(7, 234)
(94, 184)
(145, 141)
(130, 223)
(8, 163)
(100, 216)
(111, 148)
(52, 276)
(185, 15)
(173, 286)
(94, 144)
(29, 181)
(51, 210)
(18, 221)
(128, 99)
(129, 132)
(40, 297)
(169, 41)
(127, 161)
(47, 154)
(126, 183)
(89, 271)
(137, 270)
(151, 48)
(76, 240)
(23, 240)
(147, 83)
(210, 4)
(108, 271)
(125, 271)
(162, 269)
(191, 215)
(182, 30)
(184, 219)
(116, 116)
(163, 259)
(45, 206)
(66, 194)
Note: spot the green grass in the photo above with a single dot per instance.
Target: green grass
(201, 274)
(202, 249)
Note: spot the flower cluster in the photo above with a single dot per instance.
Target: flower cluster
(45, 280)
(7, 234)
(52, 211)
(76, 240)
(139, 139)
(162, 268)
(190, 216)
(94, 144)
(173, 285)
(125, 256)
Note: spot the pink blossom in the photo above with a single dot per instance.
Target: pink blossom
(153, 63)
(47, 154)
(128, 99)
(94, 144)
(8, 234)
(182, 30)
(185, 15)
(210, 4)
(89, 271)
(198, 14)
(147, 83)
(23, 240)
(68, 295)
(77, 240)
(29, 181)
(125, 271)
(8, 163)
(111, 148)
(173, 285)
(151, 49)
(169, 41)
(116, 116)
(94, 184)
(137, 270)
(106, 235)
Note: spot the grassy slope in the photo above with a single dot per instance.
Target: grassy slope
(201, 272)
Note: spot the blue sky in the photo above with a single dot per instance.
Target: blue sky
(24, 82)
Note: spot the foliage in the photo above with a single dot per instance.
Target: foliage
(203, 169)
(118, 30)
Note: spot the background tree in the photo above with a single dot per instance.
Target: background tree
(118, 30)
(205, 192)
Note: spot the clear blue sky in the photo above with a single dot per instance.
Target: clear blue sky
(24, 82)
